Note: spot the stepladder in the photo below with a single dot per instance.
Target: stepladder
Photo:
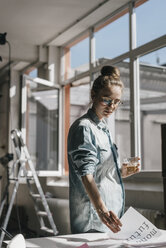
(26, 169)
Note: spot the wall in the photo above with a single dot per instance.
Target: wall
(145, 192)
(151, 140)
(4, 109)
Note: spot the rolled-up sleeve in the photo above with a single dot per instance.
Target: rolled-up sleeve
(82, 150)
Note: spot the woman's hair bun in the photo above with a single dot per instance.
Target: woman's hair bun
(109, 70)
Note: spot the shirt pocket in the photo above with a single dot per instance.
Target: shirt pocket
(103, 155)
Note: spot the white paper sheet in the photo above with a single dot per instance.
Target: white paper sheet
(137, 231)
(154, 242)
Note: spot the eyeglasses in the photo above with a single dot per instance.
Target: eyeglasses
(108, 102)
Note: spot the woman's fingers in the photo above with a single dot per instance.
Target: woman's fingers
(112, 225)
(110, 220)
(115, 218)
(114, 228)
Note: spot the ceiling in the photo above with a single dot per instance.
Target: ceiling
(30, 23)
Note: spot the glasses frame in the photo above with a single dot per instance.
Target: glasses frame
(108, 102)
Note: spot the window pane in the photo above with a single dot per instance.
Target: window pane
(79, 98)
(122, 114)
(155, 58)
(153, 109)
(151, 21)
(42, 115)
(79, 57)
(33, 73)
(113, 39)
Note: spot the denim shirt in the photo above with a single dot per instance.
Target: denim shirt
(91, 151)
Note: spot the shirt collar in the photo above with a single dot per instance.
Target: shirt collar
(101, 124)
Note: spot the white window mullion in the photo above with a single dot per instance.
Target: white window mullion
(134, 88)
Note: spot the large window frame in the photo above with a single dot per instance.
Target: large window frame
(44, 86)
(133, 55)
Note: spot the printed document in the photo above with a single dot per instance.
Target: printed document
(137, 231)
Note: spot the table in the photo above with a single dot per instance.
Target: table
(94, 240)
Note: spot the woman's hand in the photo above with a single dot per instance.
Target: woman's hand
(107, 217)
(131, 168)
(110, 220)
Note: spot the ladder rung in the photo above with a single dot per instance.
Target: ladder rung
(13, 179)
(42, 213)
(30, 178)
(35, 195)
(46, 229)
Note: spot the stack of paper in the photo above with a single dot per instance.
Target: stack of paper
(137, 231)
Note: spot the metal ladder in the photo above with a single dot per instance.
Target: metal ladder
(24, 160)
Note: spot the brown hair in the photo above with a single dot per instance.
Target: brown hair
(110, 75)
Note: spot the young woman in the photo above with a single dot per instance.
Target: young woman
(95, 176)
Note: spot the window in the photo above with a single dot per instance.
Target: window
(79, 61)
(122, 114)
(156, 58)
(151, 21)
(153, 106)
(40, 125)
(79, 98)
(113, 39)
(33, 73)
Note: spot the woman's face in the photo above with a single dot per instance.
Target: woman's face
(107, 101)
